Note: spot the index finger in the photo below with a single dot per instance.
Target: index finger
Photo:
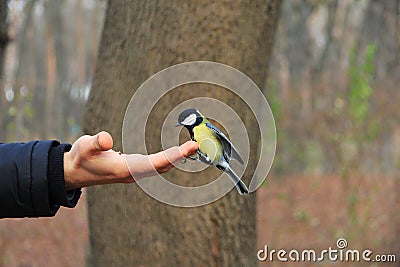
(173, 154)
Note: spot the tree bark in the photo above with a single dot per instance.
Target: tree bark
(128, 227)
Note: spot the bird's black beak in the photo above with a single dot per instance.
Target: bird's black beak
(178, 124)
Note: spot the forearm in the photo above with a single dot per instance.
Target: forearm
(25, 180)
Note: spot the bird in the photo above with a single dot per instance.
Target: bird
(214, 147)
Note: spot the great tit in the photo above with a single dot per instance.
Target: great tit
(214, 147)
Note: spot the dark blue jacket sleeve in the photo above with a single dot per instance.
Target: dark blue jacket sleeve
(32, 179)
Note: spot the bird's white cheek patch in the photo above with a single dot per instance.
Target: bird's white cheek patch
(190, 120)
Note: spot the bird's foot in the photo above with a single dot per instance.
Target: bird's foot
(193, 158)
(204, 157)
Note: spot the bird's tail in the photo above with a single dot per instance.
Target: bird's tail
(240, 186)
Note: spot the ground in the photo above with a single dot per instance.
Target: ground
(299, 212)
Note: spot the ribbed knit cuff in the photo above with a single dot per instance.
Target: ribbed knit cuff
(55, 176)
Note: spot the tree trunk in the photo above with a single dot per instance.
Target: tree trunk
(3, 36)
(128, 227)
(22, 52)
(3, 44)
(381, 27)
(58, 99)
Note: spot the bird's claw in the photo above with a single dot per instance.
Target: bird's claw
(193, 157)
(204, 157)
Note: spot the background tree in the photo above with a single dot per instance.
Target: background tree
(129, 228)
(3, 34)
(50, 63)
(330, 149)
(3, 44)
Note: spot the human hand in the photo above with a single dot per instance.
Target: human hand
(91, 161)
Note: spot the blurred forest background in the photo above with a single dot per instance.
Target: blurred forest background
(333, 88)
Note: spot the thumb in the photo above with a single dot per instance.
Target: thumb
(100, 142)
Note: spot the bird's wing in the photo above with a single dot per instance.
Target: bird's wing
(229, 149)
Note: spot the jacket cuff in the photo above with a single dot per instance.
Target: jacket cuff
(57, 193)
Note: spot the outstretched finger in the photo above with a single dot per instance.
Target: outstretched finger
(141, 166)
(176, 154)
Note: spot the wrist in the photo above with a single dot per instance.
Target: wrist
(69, 185)
(56, 180)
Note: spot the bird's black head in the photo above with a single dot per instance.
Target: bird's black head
(189, 118)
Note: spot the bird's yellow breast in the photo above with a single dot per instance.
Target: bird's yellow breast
(209, 144)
